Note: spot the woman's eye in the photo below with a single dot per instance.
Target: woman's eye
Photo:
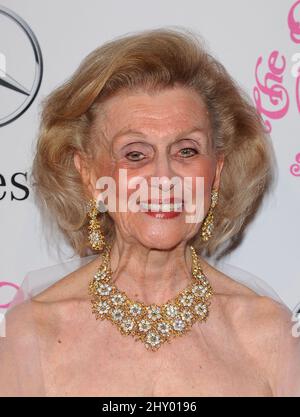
(135, 156)
(187, 152)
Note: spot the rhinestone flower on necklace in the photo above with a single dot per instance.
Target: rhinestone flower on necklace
(151, 324)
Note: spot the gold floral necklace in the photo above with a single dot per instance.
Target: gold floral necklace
(152, 324)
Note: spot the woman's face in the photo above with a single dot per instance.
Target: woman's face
(161, 135)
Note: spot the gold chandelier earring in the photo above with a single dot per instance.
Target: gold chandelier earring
(95, 235)
(208, 224)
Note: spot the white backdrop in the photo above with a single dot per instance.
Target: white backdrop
(238, 33)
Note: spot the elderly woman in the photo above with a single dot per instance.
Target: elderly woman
(151, 105)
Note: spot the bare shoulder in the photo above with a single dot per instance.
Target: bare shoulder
(258, 320)
(71, 287)
(264, 331)
(20, 331)
(242, 300)
(44, 311)
(17, 318)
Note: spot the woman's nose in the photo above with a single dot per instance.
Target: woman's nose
(161, 165)
(162, 170)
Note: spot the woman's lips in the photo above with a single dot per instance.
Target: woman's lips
(162, 210)
(163, 215)
(161, 207)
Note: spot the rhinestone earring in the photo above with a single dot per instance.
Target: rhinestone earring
(208, 224)
(95, 235)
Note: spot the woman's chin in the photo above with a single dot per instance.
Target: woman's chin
(161, 234)
(161, 245)
(160, 239)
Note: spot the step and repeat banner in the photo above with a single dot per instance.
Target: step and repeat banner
(43, 42)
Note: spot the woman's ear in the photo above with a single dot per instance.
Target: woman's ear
(86, 173)
(220, 164)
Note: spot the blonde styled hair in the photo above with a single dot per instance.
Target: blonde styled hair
(152, 59)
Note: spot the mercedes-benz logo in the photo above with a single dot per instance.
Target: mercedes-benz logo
(21, 66)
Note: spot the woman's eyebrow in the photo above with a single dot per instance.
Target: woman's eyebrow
(194, 129)
(203, 138)
(130, 131)
(126, 131)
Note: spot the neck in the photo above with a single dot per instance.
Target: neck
(150, 275)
